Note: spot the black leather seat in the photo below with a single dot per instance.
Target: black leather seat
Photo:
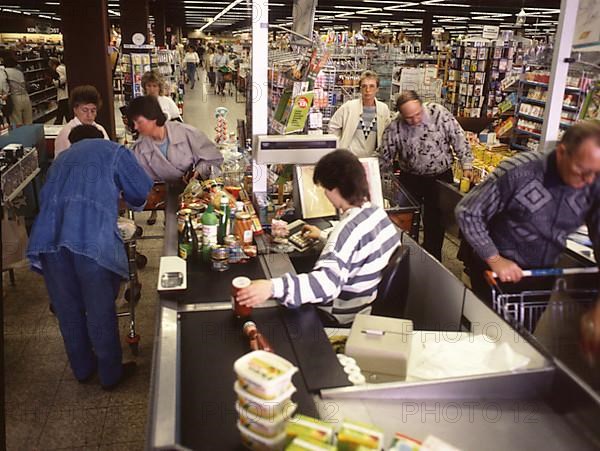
(392, 294)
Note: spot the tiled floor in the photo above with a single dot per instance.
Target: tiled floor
(46, 408)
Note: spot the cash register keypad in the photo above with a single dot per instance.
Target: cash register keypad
(302, 242)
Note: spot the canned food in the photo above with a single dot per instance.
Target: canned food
(236, 285)
(229, 240)
(219, 258)
(250, 251)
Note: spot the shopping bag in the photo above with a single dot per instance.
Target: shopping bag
(14, 240)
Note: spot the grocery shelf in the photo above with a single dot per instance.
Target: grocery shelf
(528, 133)
(531, 118)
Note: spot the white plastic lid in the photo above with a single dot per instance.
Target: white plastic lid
(255, 399)
(282, 369)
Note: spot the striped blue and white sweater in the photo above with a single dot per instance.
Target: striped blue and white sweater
(344, 280)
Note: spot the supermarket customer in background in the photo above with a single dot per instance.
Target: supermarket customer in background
(13, 85)
(221, 63)
(191, 60)
(344, 280)
(359, 123)
(424, 139)
(85, 102)
(170, 150)
(520, 216)
(76, 245)
(153, 84)
(59, 79)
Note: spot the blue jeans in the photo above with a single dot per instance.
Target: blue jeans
(190, 68)
(83, 296)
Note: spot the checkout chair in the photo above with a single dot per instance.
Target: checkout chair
(392, 292)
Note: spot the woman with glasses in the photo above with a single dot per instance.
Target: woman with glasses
(359, 123)
(85, 102)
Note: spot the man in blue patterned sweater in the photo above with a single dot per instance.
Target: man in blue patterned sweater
(521, 215)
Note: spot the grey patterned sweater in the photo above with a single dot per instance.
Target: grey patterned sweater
(524, 212)
(426, 149)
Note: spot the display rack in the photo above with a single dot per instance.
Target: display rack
(467, 77)
(529, 113)
(41, 90)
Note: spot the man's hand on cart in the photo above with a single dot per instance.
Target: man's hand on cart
(257, 293)
(505, 269)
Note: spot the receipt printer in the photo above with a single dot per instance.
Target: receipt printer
(381, 347)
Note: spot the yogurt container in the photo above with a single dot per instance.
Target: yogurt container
(264, 374)
(258, 443)
(262, 407)
(266, 427)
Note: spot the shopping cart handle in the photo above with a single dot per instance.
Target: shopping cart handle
(491, 276)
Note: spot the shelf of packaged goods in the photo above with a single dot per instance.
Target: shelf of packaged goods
(34, 70)
(545, 85)
(45, 113)
(46, 100)
(528, 133)
(519, 147)
(41, 90)
(30, 60)
(35, 81)
(531, 118)
(543, 103)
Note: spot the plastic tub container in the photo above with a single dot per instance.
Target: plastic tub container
(262, 407)
(264, 374)
(266, 427)
(257, 443)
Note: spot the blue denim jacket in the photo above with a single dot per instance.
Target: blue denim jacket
(79, 203)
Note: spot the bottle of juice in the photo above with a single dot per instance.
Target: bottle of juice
(210, 226)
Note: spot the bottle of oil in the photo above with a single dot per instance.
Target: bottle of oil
(188, 242)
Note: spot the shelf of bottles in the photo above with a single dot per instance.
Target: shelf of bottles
(38, 80)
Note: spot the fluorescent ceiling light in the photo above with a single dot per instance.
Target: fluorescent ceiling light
(114, 13)
(487, 18)
(349, 7)
(53, 4)
(399, 8)
(225, 10)
(437, 3)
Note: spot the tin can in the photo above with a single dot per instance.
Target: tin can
(229, 240)
(220, 258)
(237, 284)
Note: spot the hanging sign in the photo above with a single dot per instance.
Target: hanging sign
(491, 31)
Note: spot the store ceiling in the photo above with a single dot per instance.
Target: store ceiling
(455, 16)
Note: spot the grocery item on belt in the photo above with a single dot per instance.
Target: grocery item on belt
(353, 435)
(303, 426)
(257, 442)
(308, 444)
(269, 427)
(264, 374)
(260, 406)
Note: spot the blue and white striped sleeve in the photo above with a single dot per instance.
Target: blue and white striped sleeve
(322, 284)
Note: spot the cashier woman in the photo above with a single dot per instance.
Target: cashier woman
(345, 278)
(521, 215)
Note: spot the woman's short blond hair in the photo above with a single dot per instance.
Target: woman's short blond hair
(369, 74)
(153, 77)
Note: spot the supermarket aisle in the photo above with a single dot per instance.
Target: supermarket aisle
(200, 103)
(46, 407)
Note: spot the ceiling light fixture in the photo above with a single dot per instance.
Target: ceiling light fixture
(225, 10)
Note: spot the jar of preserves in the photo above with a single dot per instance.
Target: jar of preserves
(243, 227)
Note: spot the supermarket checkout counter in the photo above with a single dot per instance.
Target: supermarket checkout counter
(192, 396)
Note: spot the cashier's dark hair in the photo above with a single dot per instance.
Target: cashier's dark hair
(148, 107)
(576, 134)
(341, 169)
(84, 131)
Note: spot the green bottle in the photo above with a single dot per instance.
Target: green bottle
(224, 219)
(210, 226)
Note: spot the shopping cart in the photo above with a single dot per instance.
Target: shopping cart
(527, 309)
(130, 233)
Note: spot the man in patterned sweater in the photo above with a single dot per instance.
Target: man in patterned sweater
(521, 215)
(422, 140)
(344, 280)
